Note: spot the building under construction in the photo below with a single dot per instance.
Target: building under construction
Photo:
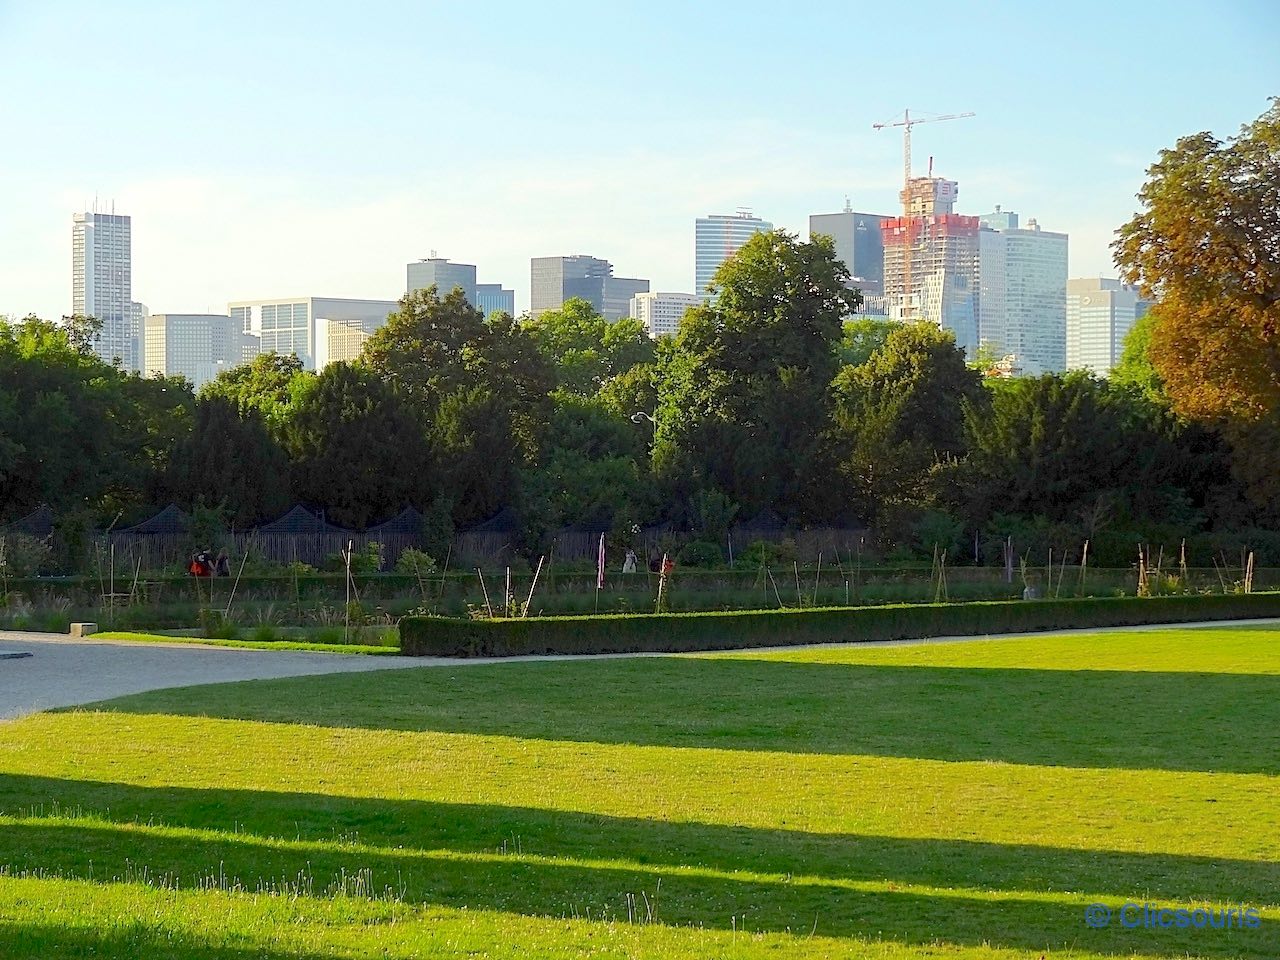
(931, 260)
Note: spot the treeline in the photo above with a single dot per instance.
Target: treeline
(766, 403)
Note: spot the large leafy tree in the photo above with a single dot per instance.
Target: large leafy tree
(357, 449)
(586, 349)
(230, 461)
(898, 415)
(1074, 449)
(1206, 244)
(478, 387)
(744, 392)
(269, 384)
(76, 433)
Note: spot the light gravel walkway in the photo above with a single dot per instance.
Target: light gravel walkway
(62, 672)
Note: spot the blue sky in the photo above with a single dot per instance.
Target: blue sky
(291, 148)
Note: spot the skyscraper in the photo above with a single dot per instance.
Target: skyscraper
(1099, 315)
(1022, 292)
(292, 324)
(494, 298)
(941, 249)
(661, 312)
(718, 237)
(196, 346)
(553, 280)
(102, 283)
(859, 245)
(444, 276)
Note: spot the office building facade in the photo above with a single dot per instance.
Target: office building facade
(1099, 315)
(661, 312)
(196, 346)
(718, 237)
(553, 280)
(494, 298)
(444, 276)
(102, 284)
(859, 245)
(290, 325)
(1022, 292)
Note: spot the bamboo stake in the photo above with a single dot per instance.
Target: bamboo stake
(346, 629)
(1084, 565)
(817, 580)
(485, 590)
(775, 587)
(244, 558)
(799, 599)
(532, 587)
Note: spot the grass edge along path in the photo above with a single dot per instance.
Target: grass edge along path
(304, 645)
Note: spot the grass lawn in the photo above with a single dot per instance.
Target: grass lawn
(961, 800)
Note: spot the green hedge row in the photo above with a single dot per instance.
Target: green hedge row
(677, 632)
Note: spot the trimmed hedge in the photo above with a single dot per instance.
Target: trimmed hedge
(682, 632)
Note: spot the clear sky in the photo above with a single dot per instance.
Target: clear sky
(279, 148)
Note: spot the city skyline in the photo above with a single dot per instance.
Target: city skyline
(372, 194)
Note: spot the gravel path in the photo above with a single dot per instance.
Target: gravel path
(61, 672)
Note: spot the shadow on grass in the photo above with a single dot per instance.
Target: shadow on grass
(1140, 720)
(558, 889)
(51, 942)
(395, 840)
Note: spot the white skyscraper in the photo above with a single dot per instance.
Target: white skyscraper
(1022, 292)
(102, 283)
(1100, 314)
(716, 239)
(661, 312)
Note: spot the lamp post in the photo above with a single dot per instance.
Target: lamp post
(640, 416)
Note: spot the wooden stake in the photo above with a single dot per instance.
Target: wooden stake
(485, 590)
(533, 586)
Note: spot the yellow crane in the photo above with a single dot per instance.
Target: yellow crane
(908, 247)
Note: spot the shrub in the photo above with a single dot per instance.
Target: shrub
(670, 633)
(264, 633)
(367, 559)
(415, 563)
(768, 553)
(22, 555)
(701, 553)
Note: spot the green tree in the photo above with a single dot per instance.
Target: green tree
(1078, 450)
(584, 348)
(1206, 245)
(76, 433)
(1135, 371)
(744, 400)
(478, 388)
(269, 384)
(230, 460)
(899, 415)
(861, 338)
(357, 450)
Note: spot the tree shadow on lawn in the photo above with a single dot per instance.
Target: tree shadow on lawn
(558, 889)
(255, 822)
(22, 941)
(1138, 720)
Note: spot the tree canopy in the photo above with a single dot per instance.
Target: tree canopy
(1206, 245)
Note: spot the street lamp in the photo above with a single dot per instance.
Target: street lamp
(640, 417)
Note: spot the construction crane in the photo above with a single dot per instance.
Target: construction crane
(908, 248)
